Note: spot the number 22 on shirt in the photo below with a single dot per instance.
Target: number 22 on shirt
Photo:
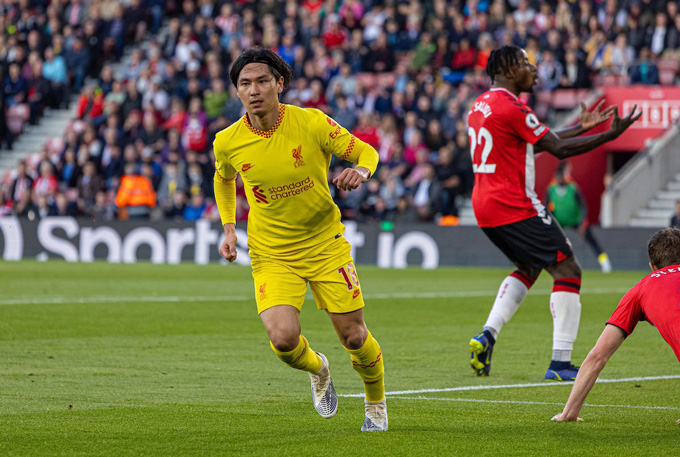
(484, 141)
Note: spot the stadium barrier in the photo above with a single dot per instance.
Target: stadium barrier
(410, 245)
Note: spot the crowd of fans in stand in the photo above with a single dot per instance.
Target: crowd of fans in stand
(398, 74)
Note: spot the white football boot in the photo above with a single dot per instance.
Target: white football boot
(323, 393)
(376, 417)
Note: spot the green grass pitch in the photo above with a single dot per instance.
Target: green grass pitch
(99, 359)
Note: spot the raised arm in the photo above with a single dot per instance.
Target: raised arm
(337, 140)
(564, 148)
(610, 340)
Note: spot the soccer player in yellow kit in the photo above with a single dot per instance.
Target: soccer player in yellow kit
(295, 235)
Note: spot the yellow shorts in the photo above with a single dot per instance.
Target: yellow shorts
(329, 270)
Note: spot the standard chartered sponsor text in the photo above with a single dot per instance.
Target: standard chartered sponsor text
(292, 189)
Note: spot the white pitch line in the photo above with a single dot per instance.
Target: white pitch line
(227, 298)
(519, 402)
(62, 300)
(484, 293)
(512, 386)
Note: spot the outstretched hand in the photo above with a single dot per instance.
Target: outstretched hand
(619, 125)
(559, 418)
(590, 119)
(351, 178)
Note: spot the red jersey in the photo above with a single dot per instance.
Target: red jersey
(502, 131)
(655, 300)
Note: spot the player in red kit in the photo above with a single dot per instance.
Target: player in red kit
(654, 299)
(504, 136)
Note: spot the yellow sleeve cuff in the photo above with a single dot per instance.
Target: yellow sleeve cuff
(367, 156)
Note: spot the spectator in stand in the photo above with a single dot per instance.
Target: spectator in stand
(89, 184)
(426, 195)
(597, 47)
(38, 92)
(658, 41)
(448, 176)
(46, 185)
(464, 58)
(173, 181)
(366, 130)
(194, 210)
(644, 71)
(13, 85)
(21, 183)
(336, 36)
(343, 115)
(550, 71)
(175, 210)
(103, 210)
(675, 220)
(575, 74)
(77, 62)
(380, 57)
(90, 102)
(68, 168)
(43, 207)
(214, 99)
(136, 197)
(621, 55)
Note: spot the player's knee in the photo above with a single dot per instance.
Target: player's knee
(354, 337)
(574, 268)
(284, 341)
(567, 268)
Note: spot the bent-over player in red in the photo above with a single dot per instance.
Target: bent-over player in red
(504, 136)
(654, 299)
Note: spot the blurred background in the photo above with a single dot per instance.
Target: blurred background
(94, 90)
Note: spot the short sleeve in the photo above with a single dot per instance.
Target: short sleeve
(525, 123)
(628, 313)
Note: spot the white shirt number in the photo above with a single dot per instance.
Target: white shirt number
(475, 140)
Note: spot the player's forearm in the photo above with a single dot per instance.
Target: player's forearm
(225, 198)
(571, 132)
(585, 380)
(565, 148)
(366, 156)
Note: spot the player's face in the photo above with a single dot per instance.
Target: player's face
(258, 89)
(526, 75)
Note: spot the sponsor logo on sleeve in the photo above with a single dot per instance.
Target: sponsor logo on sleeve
(532, 121)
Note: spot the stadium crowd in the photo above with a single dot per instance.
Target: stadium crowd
(398, 74)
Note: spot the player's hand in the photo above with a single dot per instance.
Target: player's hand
(619, 125)
(559, 418)
(351, 178)
(583, 228)
(228, 246)
(590, 119)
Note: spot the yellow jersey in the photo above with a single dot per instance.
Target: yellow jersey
(284, 171)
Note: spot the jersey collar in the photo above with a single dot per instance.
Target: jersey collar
(270, 132)
(494, 89)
